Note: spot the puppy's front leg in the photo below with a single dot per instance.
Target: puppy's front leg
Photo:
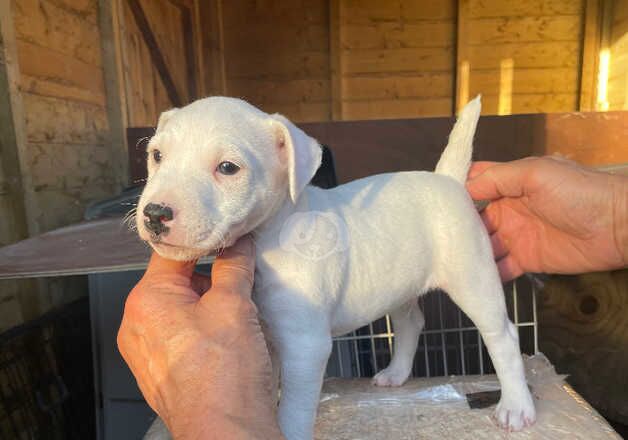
(303, 361)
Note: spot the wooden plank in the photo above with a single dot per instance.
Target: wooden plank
(296, 36)
(47, 24)
(396, 108)
(463, 62)
(556, 80)
(335, 61)
(369, 11)
(526, 55)
(53, 120)
(527, 8)
(67, 166)
(398, 60)
(213, 46)
(428, 10)
(109, 24)
(51, 73)
(157, 57)
(420, 85)
(584, 320)
(524, 29)
(266, 63)
(281, 91)
(590, 49)
(190, 53)
(14, 158)
(531, 103)
(393, 35)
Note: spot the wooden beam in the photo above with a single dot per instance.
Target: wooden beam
(155, 53)
(335, 62)
(591, 36)
(15, 154)
(463, 67)
(108, 12)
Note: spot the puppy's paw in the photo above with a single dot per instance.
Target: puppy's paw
(516, 414)
(390, 377)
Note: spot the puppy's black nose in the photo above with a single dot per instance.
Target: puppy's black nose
(156, 216)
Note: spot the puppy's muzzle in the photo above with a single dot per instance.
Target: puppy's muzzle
(156, 217)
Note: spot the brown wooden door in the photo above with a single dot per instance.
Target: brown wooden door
(159, 57)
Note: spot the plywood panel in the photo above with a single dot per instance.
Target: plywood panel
(50, 163)
(47, 24)
(52, 120)
(48, 72)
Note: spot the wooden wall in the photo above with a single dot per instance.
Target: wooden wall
(59, 154)
(366, 59)
(618, 48)
(63, 96)
(276, 55)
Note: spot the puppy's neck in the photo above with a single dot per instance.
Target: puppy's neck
(285, 208)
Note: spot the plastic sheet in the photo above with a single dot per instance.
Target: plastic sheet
(438, 408)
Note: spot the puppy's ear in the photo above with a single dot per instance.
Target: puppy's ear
(302, 152)
(164, 117)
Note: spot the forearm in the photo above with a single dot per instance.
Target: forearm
(620, 216)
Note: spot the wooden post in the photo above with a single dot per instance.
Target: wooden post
(335, 59)
(114, 87)
(463, 67)
(14, 155)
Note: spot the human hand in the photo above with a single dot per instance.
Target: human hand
(552, 215)
(197, 350)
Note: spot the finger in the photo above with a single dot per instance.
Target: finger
(159, 265)
(500, 180)
(478, 168)
(508, 268)
(233, 270)
(491, 218)
(500, 248)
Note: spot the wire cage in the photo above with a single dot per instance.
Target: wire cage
(46, 383)
(449, 344)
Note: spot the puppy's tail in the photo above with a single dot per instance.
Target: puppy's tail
(456, 159)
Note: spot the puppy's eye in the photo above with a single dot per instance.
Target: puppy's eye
(228, 168)
(157, 156)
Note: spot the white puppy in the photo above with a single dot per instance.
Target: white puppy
(328, 261)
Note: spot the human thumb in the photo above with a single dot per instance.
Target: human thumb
(233, 270)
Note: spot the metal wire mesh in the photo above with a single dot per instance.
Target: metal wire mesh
(449, 344)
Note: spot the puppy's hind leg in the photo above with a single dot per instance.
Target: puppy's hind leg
(407, 323)
(477, 290)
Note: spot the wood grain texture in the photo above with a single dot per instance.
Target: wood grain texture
(584, 331)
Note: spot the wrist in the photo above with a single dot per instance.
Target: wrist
(620, 217)
(232, 415)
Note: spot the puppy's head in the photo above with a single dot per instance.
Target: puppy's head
(217, 169)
